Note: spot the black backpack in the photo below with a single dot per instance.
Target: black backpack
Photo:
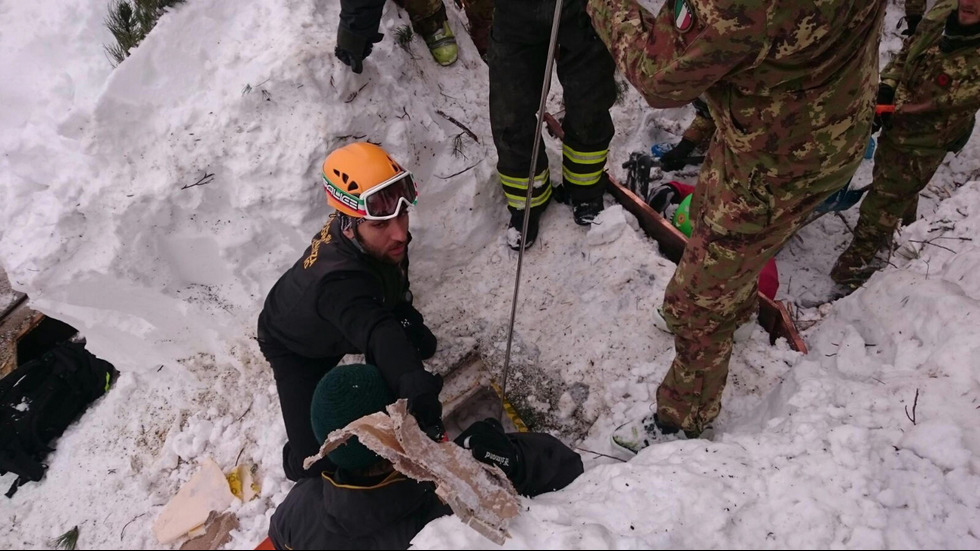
(38, 401)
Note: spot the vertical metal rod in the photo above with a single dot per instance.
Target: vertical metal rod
(545, 86)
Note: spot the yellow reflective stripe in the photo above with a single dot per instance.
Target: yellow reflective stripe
(517, 201)
(580, 179)
(390, 479)
(511, 412)
(584, 157)
(521, 183)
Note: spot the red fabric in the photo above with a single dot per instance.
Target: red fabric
(266, 545)
(769, 277)
(682, 189)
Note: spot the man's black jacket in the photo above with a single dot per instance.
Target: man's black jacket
(337, 300)
(331, 513)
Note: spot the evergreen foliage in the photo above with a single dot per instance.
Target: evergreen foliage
(404, 36)
(68, 540)
(130, 21)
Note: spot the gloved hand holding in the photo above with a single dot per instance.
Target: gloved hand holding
(676, 158)
(414, 326)
(428, 412)
(489, 444)
(421, 388)
(353, 48)
(913, 21)
(886, 96)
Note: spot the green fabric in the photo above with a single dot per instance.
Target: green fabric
(347, 393)
(682, 217)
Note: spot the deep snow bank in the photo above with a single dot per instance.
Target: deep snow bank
(105, 228)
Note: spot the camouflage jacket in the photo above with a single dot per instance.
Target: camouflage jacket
(789, 82)
(937, 85)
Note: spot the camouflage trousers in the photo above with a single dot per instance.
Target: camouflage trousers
(742, 213)
(898, 177)
(427, 17)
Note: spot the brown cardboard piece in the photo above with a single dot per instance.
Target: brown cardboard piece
(480, 495)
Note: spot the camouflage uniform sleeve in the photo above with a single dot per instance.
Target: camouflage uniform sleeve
(915, 7)
(689, 46)
(701, 129)
(892, 73)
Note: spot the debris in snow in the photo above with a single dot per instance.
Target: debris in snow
(205, 492)
(216, 534)
(481, 496)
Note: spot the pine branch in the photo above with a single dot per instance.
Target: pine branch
(68, 540)
(130, 21)
(404, 36)
(122, 25)
(459, 124)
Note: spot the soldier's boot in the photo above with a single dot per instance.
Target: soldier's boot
(851, 270)
(442, 45)
(636, 435)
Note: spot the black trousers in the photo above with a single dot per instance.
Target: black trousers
(296, 380)
(517, 59)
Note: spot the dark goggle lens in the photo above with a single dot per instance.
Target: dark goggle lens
(385, 202)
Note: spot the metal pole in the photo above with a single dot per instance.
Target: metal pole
(545, 86)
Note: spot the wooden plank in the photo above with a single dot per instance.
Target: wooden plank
(17, 323)
(19, 298)
(773, 316)
(670, 239)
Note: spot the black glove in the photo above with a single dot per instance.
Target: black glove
(415, 329)
(886, 96)
(427, 410)
(913, 21)
(353, 48)
(676, 158)
(488, 443)
(421, 388)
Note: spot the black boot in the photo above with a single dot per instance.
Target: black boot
(514, 238)
(586, 211)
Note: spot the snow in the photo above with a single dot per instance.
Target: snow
(105, 229)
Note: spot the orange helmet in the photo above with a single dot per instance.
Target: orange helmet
(362, 181)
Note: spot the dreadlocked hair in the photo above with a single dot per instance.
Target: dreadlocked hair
(347, 222)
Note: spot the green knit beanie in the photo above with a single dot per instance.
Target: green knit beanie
(347, 393)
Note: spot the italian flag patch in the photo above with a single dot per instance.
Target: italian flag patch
(683, 16)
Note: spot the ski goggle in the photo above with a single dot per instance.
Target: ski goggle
(383, 201)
